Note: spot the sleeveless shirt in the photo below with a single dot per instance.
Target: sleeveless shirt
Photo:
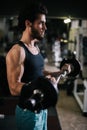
(33, 65)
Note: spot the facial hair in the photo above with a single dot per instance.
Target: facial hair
(36, 34)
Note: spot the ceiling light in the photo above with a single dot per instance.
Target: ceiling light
(68, 20)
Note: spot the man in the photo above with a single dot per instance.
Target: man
(25, 63)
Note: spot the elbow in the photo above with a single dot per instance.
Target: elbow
(13, 91)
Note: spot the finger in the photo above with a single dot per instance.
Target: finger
(48, 76)
(53, 80)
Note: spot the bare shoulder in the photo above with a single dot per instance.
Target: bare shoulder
(16, 52)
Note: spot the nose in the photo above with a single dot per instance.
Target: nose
(44, 27)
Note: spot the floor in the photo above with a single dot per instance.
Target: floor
(70, 115)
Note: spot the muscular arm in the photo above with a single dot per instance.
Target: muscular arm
(15, 69)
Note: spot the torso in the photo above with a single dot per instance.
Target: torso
(33, 63)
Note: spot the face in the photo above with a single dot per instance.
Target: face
(39, 26)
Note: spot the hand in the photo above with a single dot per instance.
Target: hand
(66, 67)
(52, 79)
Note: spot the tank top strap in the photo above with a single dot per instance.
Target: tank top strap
(22, 45)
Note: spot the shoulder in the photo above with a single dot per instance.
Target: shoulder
(16, 52)
(16, 48)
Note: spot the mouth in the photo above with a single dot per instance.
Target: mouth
(42, 34)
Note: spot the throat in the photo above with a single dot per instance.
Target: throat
(31, 46)
(33, 49)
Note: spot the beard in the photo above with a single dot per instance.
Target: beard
(35, 34)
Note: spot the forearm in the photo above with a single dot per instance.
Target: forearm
(15, 89)
(54, 74)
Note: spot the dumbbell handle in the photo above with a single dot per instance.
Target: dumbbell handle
(61, 75)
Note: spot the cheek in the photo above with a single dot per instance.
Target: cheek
(39, 26)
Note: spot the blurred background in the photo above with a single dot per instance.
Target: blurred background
(66, 36)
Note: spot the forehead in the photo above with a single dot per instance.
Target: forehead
(41, 17)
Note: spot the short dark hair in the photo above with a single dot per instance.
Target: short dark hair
(30, 12)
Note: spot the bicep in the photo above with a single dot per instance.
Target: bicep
(13, 68)
(14, 64)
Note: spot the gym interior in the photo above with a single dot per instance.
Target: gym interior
(63, 40)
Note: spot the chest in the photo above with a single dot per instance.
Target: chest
(33, 62)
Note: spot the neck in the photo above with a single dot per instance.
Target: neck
(31, 45)
(29, 41)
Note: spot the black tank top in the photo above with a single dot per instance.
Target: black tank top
(33, 65)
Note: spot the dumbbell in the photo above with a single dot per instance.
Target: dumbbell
(38, 94)
(75, 66)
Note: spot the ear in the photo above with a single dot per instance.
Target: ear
(28, 23)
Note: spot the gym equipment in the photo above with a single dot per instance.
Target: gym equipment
(42, 93)
(80, 95)
(75, 66)
(82, 102)
(71, 77)
(38, 94)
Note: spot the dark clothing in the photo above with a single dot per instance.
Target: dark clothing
(33, 68)
(33, 65)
